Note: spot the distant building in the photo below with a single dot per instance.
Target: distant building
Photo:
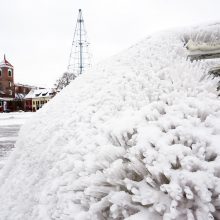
(7, 91)
(36, 98)
(21, 91)
(16, 96)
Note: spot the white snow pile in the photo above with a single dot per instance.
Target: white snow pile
(137, 137)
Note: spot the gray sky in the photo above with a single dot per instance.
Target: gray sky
(36, 35)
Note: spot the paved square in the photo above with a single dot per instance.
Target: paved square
(10, 124)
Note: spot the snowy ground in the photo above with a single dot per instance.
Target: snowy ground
(10, 124)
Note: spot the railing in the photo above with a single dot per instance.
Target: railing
(203, 50)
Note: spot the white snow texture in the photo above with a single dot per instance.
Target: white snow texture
(137, 137)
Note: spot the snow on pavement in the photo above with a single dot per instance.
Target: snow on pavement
(10, 124)
(137, 137)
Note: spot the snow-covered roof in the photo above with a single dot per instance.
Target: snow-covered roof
(37, 93)
(5, 63)
(25, 85)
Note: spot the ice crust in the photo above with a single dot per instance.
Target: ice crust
(137, 137)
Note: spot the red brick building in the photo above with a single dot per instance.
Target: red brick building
(11, 94)
(21, 91)
(7, 91)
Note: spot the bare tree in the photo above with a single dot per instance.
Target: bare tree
(64, 80)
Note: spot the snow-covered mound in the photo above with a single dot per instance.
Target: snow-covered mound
(137, 137)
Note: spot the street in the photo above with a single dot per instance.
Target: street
(10, 124)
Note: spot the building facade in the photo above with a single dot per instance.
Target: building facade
(7, 91)
(36, 98)
(12, 95)
(21, 91)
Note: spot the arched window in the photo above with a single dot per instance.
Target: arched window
(10, 73)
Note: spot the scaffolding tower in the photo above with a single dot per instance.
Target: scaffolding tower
(80, 57)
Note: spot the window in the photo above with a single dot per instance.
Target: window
(33, 102)
(0, 72)
(10, 73)
(9, 92)
(9, 84)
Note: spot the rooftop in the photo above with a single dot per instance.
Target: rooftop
(37, 93)
(5, 63)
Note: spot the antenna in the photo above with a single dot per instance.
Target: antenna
(80, 58)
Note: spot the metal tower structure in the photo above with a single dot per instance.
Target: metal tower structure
(80, 58)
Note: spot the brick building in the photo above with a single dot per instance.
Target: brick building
(7, 91)
(11, 94)
(21, 91)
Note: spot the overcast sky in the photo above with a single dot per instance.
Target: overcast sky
(36, 35)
